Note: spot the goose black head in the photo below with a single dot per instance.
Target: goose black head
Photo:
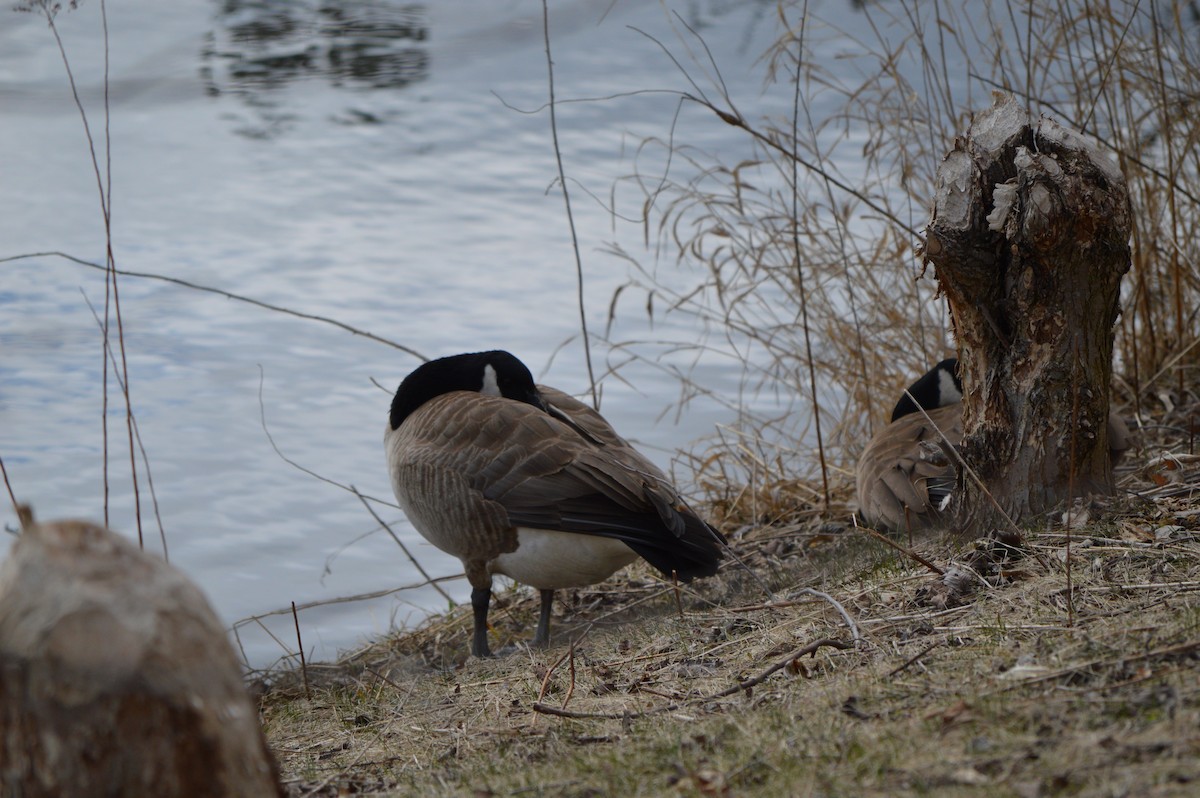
(496, 373)
(939, 387)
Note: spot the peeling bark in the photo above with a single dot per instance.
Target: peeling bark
(1029, 238)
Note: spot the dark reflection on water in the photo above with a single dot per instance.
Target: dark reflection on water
(260, 45)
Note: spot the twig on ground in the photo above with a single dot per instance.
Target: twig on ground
(1124, 659)
(906, 552)
(837, 606)
(678, 599)
(811, 648)
(908, 663)
(569, 655)
(571, 670)
(375, 594)
(550, 672)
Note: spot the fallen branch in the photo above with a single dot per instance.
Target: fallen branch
(906, 552)
(1161, 653)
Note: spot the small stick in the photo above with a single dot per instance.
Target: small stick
(899, 548)
(379, 675)
(920, 654)
(837, 606)
(678, 599)
(219, 292)
(772, 605)
(300, 644)
(811, 648)
(571, 670)
(562, 181)
(12, 496)
(137, 434)
(550, 671)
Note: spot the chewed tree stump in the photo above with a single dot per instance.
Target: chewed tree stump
(1029, 238)
(116, 678)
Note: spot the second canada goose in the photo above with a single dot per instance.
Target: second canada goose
(905, 479)
(523, 480)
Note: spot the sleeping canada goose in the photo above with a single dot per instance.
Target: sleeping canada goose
(523, 480)
(905, 476)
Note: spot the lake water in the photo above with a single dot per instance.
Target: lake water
(386, 165)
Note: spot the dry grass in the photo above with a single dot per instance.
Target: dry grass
(1023, 690)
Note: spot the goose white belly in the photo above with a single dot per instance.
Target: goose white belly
(548, 559)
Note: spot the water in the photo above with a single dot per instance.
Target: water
(372, 173)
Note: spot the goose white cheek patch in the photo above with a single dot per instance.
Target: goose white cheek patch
(948, 392)
(490, 386)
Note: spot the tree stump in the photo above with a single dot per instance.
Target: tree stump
(116, 678)
(1029, 238)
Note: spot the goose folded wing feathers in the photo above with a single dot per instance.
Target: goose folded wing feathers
(602, 486)
(905, 466)
(903, 490)
(588, 422)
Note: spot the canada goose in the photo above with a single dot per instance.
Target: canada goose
(905, 479)
(523, 480)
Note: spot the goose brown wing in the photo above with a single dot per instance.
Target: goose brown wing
(608, 488)
(545, 474)
(904, 466)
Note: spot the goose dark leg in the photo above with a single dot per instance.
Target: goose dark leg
(541, 638)
(481, 598)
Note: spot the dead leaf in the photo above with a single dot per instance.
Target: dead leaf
(956, 714)
(1136, 532)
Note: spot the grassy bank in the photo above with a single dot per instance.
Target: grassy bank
(749, 684)
(1069, 668)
